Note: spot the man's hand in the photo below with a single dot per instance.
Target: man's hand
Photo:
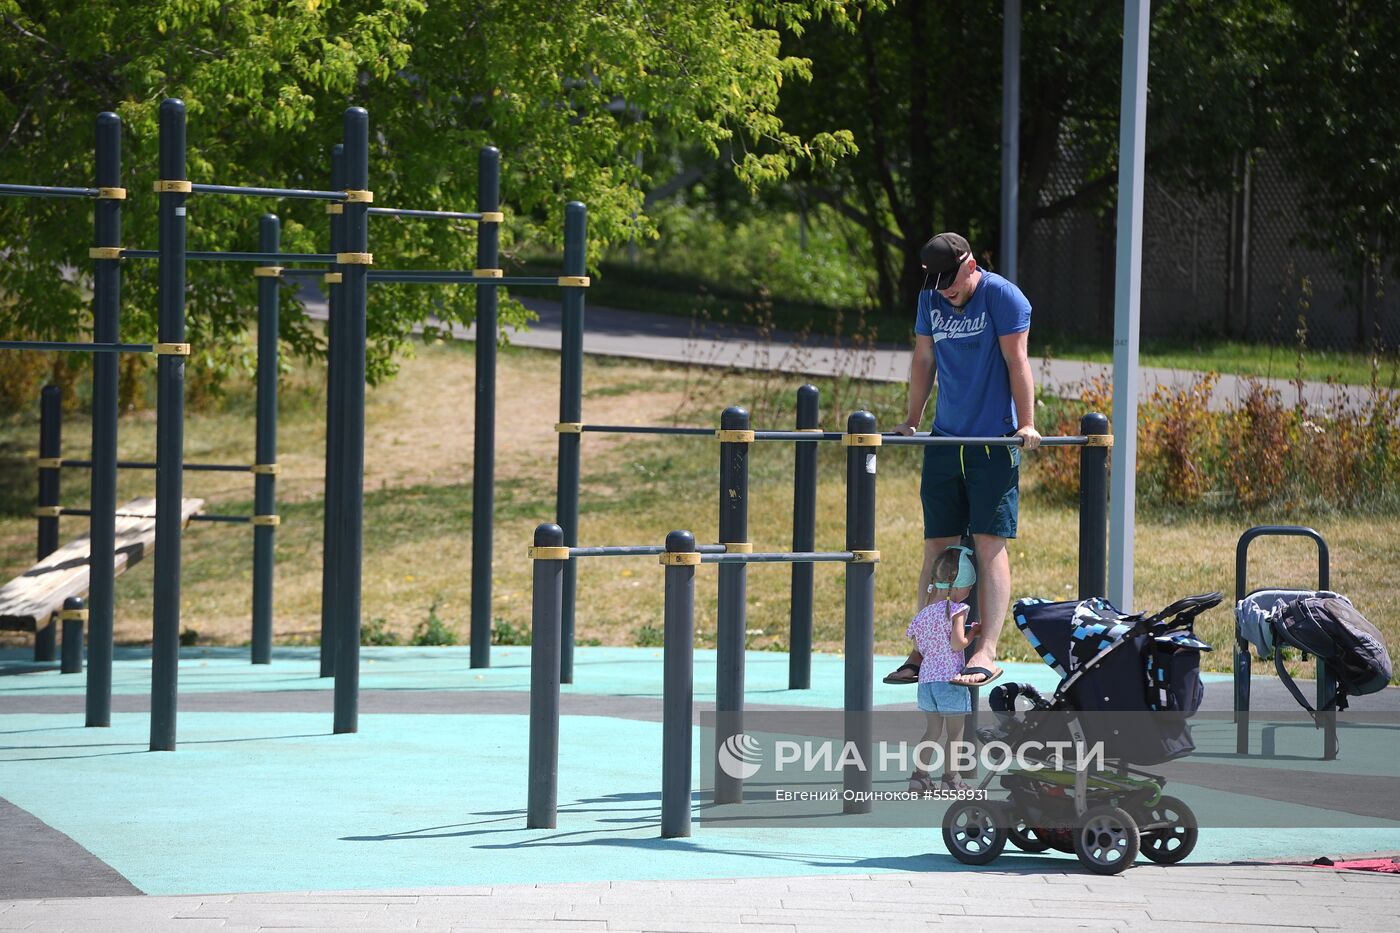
(1031, 435)
(910, 428)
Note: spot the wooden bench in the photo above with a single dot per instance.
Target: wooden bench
(29, 601)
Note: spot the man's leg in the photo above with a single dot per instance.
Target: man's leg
(932, 548)
(993, 596)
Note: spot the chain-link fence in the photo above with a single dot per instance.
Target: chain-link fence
(1213, 265)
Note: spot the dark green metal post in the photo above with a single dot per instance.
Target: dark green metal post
(72, 617)
(335, 364)
(571, 412)
(170, 432)
(264, 482)
(861, 456)
(546, 610)
(1093, 507)
(678, 683)
(488, 243)
(50, 448)
(804, 538)
(352, 452)
(106, 328)
(732, 619)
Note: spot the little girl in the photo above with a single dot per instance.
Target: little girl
(940, 635)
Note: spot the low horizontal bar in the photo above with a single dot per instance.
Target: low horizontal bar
(46, 191)
(932, 440)
(214, 256)
(443, 215)
(62, 346)
(796, 557)
(307, 272)
(303, 193)
(149, 465)
(431, 277)
(797, 435)
(640, 550)
(229, 519)
(642, 429)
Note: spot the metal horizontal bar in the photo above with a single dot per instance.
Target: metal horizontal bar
(640, 550)
(59, 345)
(304, 193)
(150, 465)
(796, 557)
(797, 435)
(933, 440)
(46, 191)
(229, 519)
(642, 429)
(306, 272)
(216, 256)
(448, 277)
(403, 212)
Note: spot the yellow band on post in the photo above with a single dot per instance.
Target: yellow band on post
(335, 208)
(740, 547)
(548, 553)
(355, 259)
(569, 427)
(574, 281)
(334, 278)
(488, 273)
(171, 349)
(266, 469)
(105, 252)
(266, 520)
(734, 437)
(861, 440)
(1098, 440)
(680, 559)
(492, 217)
(111, 194)
(173, 187)
(48, 511)
(48, 463)
(267, 272)
(65, 615)
(865, 557)
(357, 196)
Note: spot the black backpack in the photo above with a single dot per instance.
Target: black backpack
(1329, 627)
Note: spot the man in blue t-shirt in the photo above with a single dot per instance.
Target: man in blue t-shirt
(970, 333)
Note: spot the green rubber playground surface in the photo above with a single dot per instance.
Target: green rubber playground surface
(271, 801)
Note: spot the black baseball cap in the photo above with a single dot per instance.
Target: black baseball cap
(942, 256)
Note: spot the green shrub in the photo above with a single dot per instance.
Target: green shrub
(432, 631)
(649, 636)
(504, 633)
(376, 632)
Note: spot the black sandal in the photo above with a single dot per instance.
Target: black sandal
(894, 678)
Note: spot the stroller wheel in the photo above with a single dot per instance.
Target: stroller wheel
(1106, 840)
(1026, 838)
(974, 831)
(1169, 831)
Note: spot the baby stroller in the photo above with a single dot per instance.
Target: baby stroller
(1128, 684)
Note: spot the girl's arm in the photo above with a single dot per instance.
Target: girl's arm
(960, 637)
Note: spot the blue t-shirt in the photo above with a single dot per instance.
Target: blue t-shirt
(974, 387)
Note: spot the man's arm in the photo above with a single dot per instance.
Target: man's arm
(923, 368)
(1018, 367)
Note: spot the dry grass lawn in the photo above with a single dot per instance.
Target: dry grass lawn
(418, 511)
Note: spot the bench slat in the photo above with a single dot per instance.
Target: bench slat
(27, 602)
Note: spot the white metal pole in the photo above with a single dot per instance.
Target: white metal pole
(1010, 134)
(1127, 302)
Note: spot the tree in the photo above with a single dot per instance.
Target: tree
(921, 86)
(569, 92)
